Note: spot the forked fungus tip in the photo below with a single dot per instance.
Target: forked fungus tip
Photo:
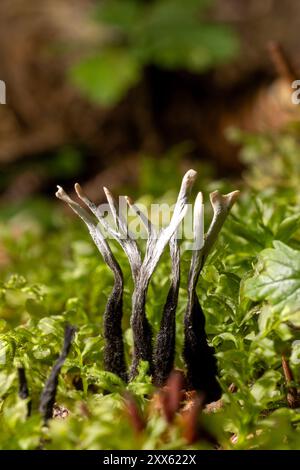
(60, 193)
(224, 199)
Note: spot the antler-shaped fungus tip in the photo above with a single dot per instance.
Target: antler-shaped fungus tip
(189, 179)
(81, 194)
(59, 192)
(224, 200)
(129, 200)
(79, 191)
(232, 197)
(113, 207)
(108, 194)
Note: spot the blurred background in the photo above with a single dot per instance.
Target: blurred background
(115, 91)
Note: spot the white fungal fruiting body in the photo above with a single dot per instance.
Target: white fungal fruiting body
(198, 222)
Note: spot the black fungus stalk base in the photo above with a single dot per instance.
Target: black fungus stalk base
(165, 344)
(164, 353)
(114, 356)
(142, 333)
(199, 356)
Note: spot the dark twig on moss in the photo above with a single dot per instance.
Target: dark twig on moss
(199, 356)
(49, 392)
(114, 356)
(141, 328)
(164, 352)
(23, 391)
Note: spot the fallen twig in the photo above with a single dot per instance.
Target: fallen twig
(49, 392)
(23, 389)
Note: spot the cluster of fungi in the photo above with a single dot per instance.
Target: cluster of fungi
(201, 366)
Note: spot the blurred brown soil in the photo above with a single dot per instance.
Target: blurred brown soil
(40, 39)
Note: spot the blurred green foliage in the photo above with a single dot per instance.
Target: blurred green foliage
(66, 162)
(272, 160)
(249, 289)
(170, 34)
